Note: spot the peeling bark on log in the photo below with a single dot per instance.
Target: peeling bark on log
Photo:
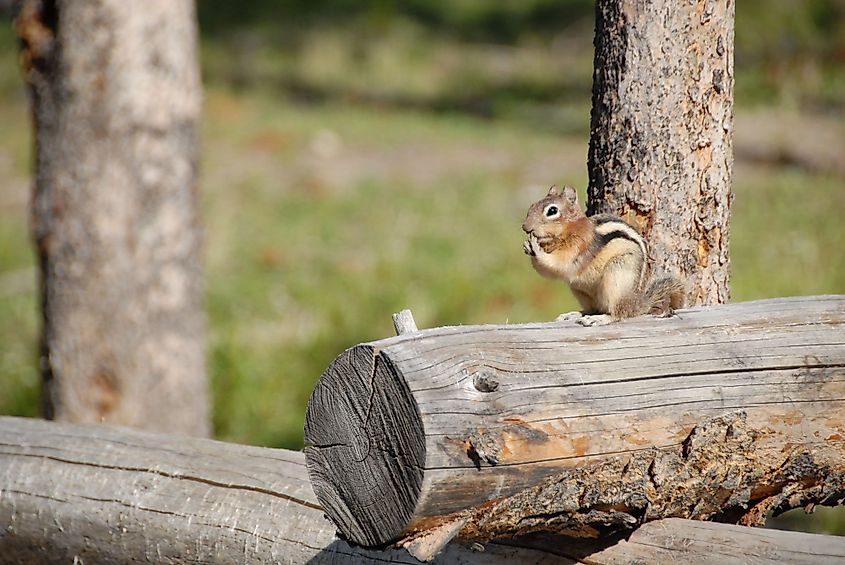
(97, 494)
(720, 412)
(660, 135)
(722, 469)
(116, 100)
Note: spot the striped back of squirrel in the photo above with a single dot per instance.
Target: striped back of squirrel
(610, 227)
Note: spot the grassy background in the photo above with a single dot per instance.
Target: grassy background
(353, 166)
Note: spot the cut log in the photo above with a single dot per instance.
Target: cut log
(97, 494)
(80, 494)
(727, 411)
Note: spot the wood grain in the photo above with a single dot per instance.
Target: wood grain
(675, 540)
(685, 541)
(714, 411)
(98, 494)
(404, 322)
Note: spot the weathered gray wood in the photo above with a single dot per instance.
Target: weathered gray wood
(710, 412)
(98, 494)
(404, 322)
(117, 100)
(675, 540)
(71, 493)
(660, 133)
(685, 541)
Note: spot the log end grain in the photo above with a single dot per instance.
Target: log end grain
(363, 424)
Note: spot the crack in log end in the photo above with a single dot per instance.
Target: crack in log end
(365, 452)
(706, 476)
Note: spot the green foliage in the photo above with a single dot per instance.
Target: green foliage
(767, 30)
(405, 66)
(784, 227)
(474, 20)
(788, 51)
(823, 520)
(495, 59)
(10, 80)
(19, 379)
(305, 262)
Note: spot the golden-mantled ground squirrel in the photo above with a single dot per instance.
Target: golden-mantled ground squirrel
(603, 259)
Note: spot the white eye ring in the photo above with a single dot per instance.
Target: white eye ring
(552, 211)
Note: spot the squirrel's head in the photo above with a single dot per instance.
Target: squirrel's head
(548, 216)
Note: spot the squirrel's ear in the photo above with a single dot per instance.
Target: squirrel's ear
(554, 190)
(569, 194)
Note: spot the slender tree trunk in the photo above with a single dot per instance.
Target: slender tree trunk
(116, 103)
(660, 143)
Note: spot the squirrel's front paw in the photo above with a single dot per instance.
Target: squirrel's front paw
(594, 320)
(528, 249)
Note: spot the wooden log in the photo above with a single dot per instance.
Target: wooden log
(78, 494)
(684, 541)
(727, 411)
(675, 540)
(97, 494)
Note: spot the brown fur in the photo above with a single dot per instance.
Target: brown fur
(602, 258)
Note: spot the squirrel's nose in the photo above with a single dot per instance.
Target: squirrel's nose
(525, 227)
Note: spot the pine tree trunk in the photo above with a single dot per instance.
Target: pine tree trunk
(660, 144)
(116, 100)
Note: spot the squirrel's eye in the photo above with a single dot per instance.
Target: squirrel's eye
(551, 211)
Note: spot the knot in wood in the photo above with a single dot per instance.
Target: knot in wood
(485, 381)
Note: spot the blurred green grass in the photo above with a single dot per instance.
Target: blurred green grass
(323, 220)
(348, 174)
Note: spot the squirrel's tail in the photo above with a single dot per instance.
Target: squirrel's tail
(663, 296)
(660, 298)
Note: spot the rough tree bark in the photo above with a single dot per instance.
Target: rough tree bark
(116, 101)
(660, 142)
(729, 411)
